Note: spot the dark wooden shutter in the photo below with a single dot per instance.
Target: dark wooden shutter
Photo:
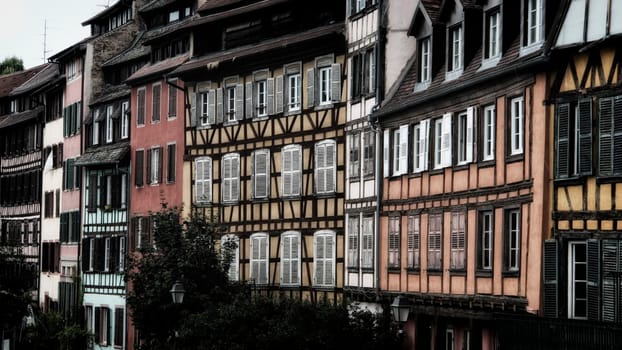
(194, 104)
(617, 135)
(45, 257)
(170, 163)
(585, 137)
(64, 227)
(103, 190)
(160, 159)
(56, 256)
(605, 136)
(97, 325)
(86, 257)
(118, 322)
(593, 278)
(116, 191)
(148, 171)
(133, 236)
(610, 285)
(562, 150)
(92, 197)
(113, 261)
(139, 166)
(550, 272)
(65, 124)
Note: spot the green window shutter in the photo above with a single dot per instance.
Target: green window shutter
(64, 237)
(562, 150)
(550, 276)
(605, 136)
(585, 137)
(65, 133)
(593, 279)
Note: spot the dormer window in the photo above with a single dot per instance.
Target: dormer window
(533, 23)
(493, 38)
(454, 50)
(424, 60)
(173, 16)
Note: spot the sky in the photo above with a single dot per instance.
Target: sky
(22, 24)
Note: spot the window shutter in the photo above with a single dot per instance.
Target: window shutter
(116, 191)
(335, 82)
(249, 112)
(610, 268)
(239, 102)
(469, 134)
(194, 103)
(64, 232)
(310, 87)
(139, 168)
(286, 260)
(295, 259)
(286, 171)
(446, 141)
(279, 95)
(423, 140)
(585, 137)
(149, 170)
(563, 140)
(78, 116)
(207, 175)
(320, 168)
(103, 190)
(387, 153)
(118, 325)
(97, 325)
(65, 124)
(617, 136)
(235, 171)
(605, 129)
(160, 159)
(550, 304)
(92, 192)
(372, 71)
(211, 107)
(133, 236)
(261, 178)
(318, 259)
(270, 96)
(403, 156)
(219, 105)
(171, 151)
(593, 277)
(255, 259)
(329, 260)
(331, 167)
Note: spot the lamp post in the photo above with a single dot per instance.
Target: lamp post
(401, 308)
(178, 292)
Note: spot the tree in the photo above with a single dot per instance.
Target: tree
(11, 65)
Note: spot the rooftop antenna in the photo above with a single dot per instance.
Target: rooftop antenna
(45, 38)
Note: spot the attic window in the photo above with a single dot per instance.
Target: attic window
(173, 16)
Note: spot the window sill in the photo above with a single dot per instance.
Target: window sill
(230, 202)
(608, 179)
(204, 126)
(486, 163)
(230, 123)
(483, 273)
(457, 272)
(394, 270)
(261, 200)
(420, 86)
(436, 171)
(453, 75)
(461, 166)
(323, 106)
(511, 273)
(155, 122)
(367, 269)
(573, 180)
(368, 177)
(488, 63)
(325, 194)
(413, 270)
(529, 49)
(202, 204)
(354, 179)
(171, 117)
(435, 272)
(512, 158)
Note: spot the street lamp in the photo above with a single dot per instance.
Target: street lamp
(401, 308)
(177, 292)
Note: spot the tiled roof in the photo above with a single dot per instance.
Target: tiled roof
(16, 118)
(167, 29)
(433, 8)
(134, 51)
(8, 82)
(108, 154)
(234, 12)
(108, 10)
(161, 67)
(155, 4)
(215, 4)
(77, 47)
(44, 76)
(111, 93)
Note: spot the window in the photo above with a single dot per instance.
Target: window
(119, 327)
(69, 227)
(577, 280)
(293, 102)
(107, 255)
(485, 241)
(96, 127)
(154, 166)
(394, 242)
(354, 164)
(324, 258)
(493, 37)
(203, 180)
(125, 120)
(91, 259)
(442, 141)
(367, 249)
(400, 150)
(369, 153)
(458, 251)
(488, 137)
(173, 16)
(259, 258)
(121, 256)
(123, 203)
(290, 258)
(363, 73)
(609, 136)
(420, 146)
(230, 250)
(291, 174)
(325, 85)
(230, 103)
(141, 106)
(435, 242)
(72, 119)
(261, 174)
(517, 122)
(325, 153)
(204, 109)
(172, 100)
(230, 177)
(155, 112)
(109, 124)
(535, 22)
(260, 87)
(454, 55)
(102, 326)
(49, 204)
(414, 240)
(424, 73)
(139, 166)
(170, 163)
(465, 136)
(449, 339)
(574, 138)
(512, 240)
(353, 241)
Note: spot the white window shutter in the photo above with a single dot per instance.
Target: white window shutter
(318, 260)
(219, 105)
(310, 87)
(330, 154)
(387, 153)
(403, 156)
(295, 259)
(207, 176)
(193, 109)
(469, 134)
(330, 260)
(296, 171)
(239, 102)
(264, 259)
(279, 94)
(255, 259)
(335, 82)
(270, 96)
(320, 173)
(285, 260)
(211, 107)
(446, 141)
(235, 186)
(226, 179)
(260, 173)
(286, 171)
(249, 112)
(198, 183)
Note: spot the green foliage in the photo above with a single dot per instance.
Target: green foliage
(16, 282)
(11, 65)
(51, 333)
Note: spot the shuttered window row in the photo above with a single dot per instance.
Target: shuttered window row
(104, 254)
(72, 119)
(70, 227)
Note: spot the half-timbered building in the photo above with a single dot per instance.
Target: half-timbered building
(464, 154)
(265, 144)
(582, 258)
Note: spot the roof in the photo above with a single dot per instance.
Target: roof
(16, 118)
(111, 93)
(215, 4)
(8, 82)
(134, 51)
(264, 46)
(158, 68)
(108, 154)
(107, 11)
(167, 29)
(433, 8)
(155, 4)
(71, 50)
(43, 77)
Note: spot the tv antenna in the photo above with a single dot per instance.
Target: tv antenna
(45, 39)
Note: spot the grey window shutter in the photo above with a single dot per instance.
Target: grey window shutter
(279, 94)
(193, 108)
(310, 87)
(211, 107)
(335, 88)
(563, 141)
(286, 88)
(235, 188)
(249, 112)
(239, 102)
(550, 304)
(387, 153)
(593, 277)
(605, 137)
(585, 137)
(617, 135)
(611, 284)
(270, 96)
(219, 105)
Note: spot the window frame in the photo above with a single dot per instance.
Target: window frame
(256, 176)
(354, 156)
(204, 108)
(171, 162)
(485, 240)
(293, 173)
(294, 280)
(230, 99)
(367, 242)
(233, 180)
(125, 120)
(512, 240)
(264, 257)
(262, 108)
(109, 124)
(517, 131)
(455, 62)
(492, 34)
(203, 182)
(530, 40)
(324, 85)
(369, 153)
(489, 126)
(155, 166)
(394, 243)
(325, 170)
(172, 99)
(424, 75)
(324, 259)
(354, 228)
(572, 280)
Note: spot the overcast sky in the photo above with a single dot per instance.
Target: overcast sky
(22, 24)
